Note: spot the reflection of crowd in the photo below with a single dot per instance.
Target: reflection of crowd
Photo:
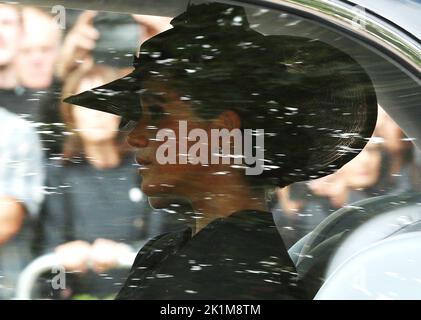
(68, 182)
(385, 166)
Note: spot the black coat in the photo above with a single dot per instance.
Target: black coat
(239, 257)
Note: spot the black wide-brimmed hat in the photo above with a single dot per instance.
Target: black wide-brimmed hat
(317, 105)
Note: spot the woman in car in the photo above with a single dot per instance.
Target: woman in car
(309, 107)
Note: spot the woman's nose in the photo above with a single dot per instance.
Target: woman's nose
(137, 138)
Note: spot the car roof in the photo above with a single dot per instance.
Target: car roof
(405, 14)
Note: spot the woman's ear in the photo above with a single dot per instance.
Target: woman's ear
(228, 120)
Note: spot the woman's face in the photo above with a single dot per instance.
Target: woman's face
(91, 125)
(364, 170)
(162, 112)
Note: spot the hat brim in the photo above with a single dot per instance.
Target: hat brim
(119, 97)
(330, 106)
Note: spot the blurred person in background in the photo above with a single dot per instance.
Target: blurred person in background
(21, 179)
(39, 49)
(29, 41)
(35, 66)
(96, 211)
(300, 207)
(84, 37)
(10, 36)
(333, 187)
(399, 149)
(364, 176)
(21, 164)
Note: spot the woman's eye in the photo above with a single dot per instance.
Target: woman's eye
(156, 112)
